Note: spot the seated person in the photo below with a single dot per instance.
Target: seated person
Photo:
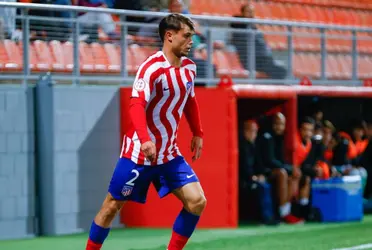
(270, 155)
(97, 19)
(264, 59)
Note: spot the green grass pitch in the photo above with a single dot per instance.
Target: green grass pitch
(302, 237)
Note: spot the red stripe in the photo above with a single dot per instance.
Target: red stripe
(181, 85)
(186, 62)
(149, 115)
(163, 113)
(130, 151)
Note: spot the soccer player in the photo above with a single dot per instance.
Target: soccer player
(162, 91)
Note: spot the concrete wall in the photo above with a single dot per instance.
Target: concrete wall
(17, 162)
(76, 134)
(86, 148)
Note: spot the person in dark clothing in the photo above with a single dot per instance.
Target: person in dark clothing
(248, 167)
(264, 59)
(270, 155)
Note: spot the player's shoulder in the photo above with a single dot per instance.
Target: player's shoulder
(189, 64)
(153, 62)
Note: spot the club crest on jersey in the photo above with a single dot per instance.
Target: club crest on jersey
(126, 191)
(188, 85)
(140, 85)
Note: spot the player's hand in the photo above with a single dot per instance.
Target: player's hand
(296, 172)
(149, 150)
(196, 147)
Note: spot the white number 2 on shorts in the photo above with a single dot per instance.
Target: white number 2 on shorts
(131, 181)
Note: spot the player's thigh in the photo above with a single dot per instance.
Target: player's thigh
(130, 181)
(174, 175)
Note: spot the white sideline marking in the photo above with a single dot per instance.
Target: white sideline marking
(364, 246)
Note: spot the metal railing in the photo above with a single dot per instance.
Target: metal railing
(270, 52)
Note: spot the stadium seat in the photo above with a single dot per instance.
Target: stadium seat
(237, 69)
(10, 56)
(221, 62)
(43, 55)
(100, 58)
(113, 56)
(32, 56)
(58, 54)
(87, 61)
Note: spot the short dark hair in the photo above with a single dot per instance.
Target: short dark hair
(307, 119)
(174, 22)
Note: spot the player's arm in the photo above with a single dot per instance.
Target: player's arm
(142, 88)
(192, 115)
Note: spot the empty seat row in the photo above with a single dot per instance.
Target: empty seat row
(360, 4)
(105, 59)
(286, 11)
(307, 39)
(58, 57)
(338, 66)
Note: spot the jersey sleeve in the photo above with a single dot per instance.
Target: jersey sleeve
(193, 74)
(145, 80)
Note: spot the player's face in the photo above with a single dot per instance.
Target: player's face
(250, 131)
(307, 131)
(327, 135)
(182, 41)
(279, 126)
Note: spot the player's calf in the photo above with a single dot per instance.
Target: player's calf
(101, 225)
(194, 201)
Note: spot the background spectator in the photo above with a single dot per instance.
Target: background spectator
(270, 153)
(265, 61)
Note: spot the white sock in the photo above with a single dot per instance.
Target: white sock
(304, 201)
(285, 209)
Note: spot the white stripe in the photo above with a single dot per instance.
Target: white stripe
(191, 67)
(129, 141)
(170, 116)
(136, 148)
(122, 145)
(365, 246)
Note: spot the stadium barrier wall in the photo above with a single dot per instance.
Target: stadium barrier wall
(221, 110)
(17, 162)
(216, 168)
(86, 146)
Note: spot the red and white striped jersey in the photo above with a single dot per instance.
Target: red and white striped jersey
(165, 89)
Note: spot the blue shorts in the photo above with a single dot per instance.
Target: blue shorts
(131, 181)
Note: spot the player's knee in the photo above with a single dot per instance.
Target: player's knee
(111, 207)
(280, 173)
(197, 204)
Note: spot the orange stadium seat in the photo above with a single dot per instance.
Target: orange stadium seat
(87, 61)
(32, 56)
(113, 56)
(58, 54)
(221, 62)
(100, 58)
(237, 69)
(43, 55)
(10, 56)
